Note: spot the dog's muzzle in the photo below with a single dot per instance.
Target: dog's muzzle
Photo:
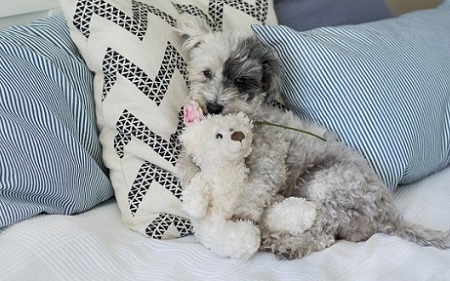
(214, 108)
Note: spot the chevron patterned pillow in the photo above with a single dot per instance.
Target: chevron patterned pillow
(140, 86)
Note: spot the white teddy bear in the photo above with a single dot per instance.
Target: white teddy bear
(218, 145)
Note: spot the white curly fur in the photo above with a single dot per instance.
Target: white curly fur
(218, 146)
(298, 215)
(233, 72)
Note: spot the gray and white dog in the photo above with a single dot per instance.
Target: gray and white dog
(234, 72)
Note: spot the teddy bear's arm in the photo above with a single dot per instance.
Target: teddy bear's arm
(186, 168)
(196, 198)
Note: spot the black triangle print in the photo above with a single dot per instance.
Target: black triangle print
(129, 126)
(215, 15)
(115, 64)
(158, 227)
(146, 175)
(137, 24)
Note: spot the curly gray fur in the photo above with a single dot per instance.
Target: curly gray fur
(233, 72)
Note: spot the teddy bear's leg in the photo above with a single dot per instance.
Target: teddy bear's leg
(293, 215)
(231, 239)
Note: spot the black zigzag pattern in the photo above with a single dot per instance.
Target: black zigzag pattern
(137, 24)
(195, 11)
(155, 89)
(129, 126)
(259, 11)
(149, 173)
(214, 18)
(157, 228)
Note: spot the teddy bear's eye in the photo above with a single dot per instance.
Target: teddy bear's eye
(219, 136)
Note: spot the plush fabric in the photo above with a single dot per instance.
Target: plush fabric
(383, 87)
(50, 159)
(308, 14)
(140, 87)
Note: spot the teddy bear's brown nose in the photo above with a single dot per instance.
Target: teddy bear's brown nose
(237, 136)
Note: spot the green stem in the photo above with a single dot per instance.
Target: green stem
(264, 122)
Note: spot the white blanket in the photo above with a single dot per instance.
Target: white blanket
(96, 246)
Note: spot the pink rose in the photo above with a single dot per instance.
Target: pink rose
(192, 112)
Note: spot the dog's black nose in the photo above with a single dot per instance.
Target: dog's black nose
(214, 108)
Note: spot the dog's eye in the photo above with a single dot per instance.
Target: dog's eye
(219, 136)
(244, 83)
(240, 81)
(208, 74)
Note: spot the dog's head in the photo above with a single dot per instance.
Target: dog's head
(229, 71)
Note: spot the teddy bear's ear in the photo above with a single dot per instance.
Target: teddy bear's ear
(191, 30)
(245, 119)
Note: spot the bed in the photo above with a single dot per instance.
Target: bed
(64, 213)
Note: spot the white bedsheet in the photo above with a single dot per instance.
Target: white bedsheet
(96, 246)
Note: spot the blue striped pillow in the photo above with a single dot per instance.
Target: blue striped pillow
(50, 159)
(383, 87)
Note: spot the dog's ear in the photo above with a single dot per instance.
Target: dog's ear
(272, 74)
(191, 30)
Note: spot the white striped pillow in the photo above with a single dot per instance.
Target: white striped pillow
(383, 87)
(50, 154)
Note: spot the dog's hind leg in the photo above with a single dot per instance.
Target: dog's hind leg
(289, 245)
(353, 198)
(361, 204)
